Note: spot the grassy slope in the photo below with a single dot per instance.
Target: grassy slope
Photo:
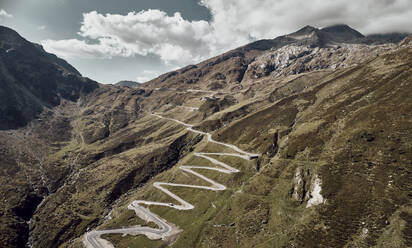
(358, 126)
(352, 128)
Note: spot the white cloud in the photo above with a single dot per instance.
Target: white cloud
(268, 18)
(153, 31)
(178, 41)
(74, 48)
(4, 14)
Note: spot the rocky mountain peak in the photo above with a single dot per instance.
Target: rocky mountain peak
(342, 29)
(340, 33)
(306, 30)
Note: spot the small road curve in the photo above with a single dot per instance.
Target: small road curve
(93, 238)
(191, 90)
(192, 109)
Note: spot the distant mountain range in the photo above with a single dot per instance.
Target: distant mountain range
(128, 83)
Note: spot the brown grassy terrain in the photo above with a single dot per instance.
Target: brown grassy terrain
(348, 126)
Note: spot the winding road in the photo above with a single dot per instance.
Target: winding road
(166, 230)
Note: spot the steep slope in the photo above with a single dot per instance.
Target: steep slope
(350, 134)
(34, 87)
(334, 167)
(327, 112)
(32, 79)
(71, 126)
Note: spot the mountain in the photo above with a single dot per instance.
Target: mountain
(233, 68)
(128, 83)
(299, 141)
(32, 80)
(341, 33)
(385, 38)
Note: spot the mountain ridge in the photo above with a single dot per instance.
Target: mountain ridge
(342, 34)
(32, 80)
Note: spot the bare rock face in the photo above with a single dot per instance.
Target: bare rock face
(279, 60)
(315, 197)
(300, 184)
(294, 59)
(307, 187)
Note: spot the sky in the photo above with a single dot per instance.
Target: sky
(113, 40)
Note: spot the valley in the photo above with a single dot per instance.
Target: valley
(304, 140)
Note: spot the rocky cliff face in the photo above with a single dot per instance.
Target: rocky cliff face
(328, 110)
